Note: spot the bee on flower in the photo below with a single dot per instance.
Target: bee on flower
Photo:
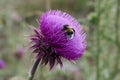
(59, 36)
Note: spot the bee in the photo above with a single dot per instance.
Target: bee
(69, 32)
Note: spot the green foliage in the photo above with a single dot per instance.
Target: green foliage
(92, 18)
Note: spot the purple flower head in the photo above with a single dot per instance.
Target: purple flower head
(59, 36)
(2, 64)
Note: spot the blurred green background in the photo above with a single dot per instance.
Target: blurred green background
(99, 18)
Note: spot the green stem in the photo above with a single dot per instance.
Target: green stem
(117, 58)
(16, 67)
(98, 40)
(33, 70)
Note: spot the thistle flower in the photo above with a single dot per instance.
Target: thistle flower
(59, 36)
(2, 64)
(19, 53)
